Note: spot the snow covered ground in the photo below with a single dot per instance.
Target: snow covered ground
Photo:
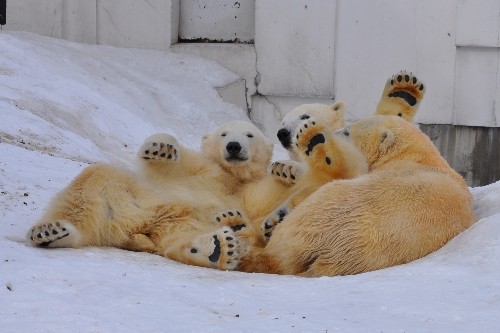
(64, 105)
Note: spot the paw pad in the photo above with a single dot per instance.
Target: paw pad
(272, 221)
(219, 250)
(309, 135)
(286, 172)
(159, 150)
(45, 233)
(405, 86)
(231, 218)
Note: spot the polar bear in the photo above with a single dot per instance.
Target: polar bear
(402, 96)
(409, 204)
(332, 115)
(183, 205)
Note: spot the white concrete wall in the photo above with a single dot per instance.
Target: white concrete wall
(294, 41)
(220, 20)
(313, 50)
(126, 23)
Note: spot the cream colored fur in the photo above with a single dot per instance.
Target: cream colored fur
(182, 205)
(409, 205)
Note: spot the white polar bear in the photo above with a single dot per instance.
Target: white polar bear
(183, 205)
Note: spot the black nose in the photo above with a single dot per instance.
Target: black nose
(284, 137)
(233, 148)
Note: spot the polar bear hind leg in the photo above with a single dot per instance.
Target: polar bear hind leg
(54, 234)
(217, 249)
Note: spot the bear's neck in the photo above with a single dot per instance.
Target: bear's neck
(236, 177)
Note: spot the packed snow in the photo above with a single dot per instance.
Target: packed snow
(64, 105)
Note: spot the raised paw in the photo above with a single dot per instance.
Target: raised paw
(231, 218)
(309, 135)
(53, 234)
(220, 249)
(287, 172)
(401, 96)
(159, 147)
(315, 141)
(272, 220)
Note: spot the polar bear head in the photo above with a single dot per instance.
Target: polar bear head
(384, 139)
(332, 115)
(240, 148)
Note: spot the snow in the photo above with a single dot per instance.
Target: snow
(64, 105)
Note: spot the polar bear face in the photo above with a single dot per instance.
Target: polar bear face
(240, 148)
(332, 115)
(386, 138)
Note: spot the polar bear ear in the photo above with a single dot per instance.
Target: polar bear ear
(338, 107)
(205, 137)
(387, 139)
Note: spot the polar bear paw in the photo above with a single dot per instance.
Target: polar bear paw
(401, 96)
(287, 172)
(405, 86)
(272, 221)
(315, 141)
(159, 147)
(231, 218)
(54, 234)
(219, 249)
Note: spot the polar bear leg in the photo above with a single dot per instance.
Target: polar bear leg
(54, 234)
(218, 249)
(401, 97)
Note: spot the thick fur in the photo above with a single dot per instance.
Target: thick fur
(183, 205)
(409, 204)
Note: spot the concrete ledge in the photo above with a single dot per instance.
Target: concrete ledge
(234, 93)
(238, 58)
(472, 151)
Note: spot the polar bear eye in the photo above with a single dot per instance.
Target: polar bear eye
(346, 133)
(304, 116)
(223, 134)
(250, 135)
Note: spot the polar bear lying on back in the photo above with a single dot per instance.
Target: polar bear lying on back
(183, 205)
(188, 206)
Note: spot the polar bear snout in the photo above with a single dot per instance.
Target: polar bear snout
(235, 152)
(285, 138)
(233, 148)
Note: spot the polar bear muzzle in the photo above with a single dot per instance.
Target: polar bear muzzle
(234, 152)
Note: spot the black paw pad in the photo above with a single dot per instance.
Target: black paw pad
(316, 140)
(238, 227)
(409, 98)
(214, 257)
